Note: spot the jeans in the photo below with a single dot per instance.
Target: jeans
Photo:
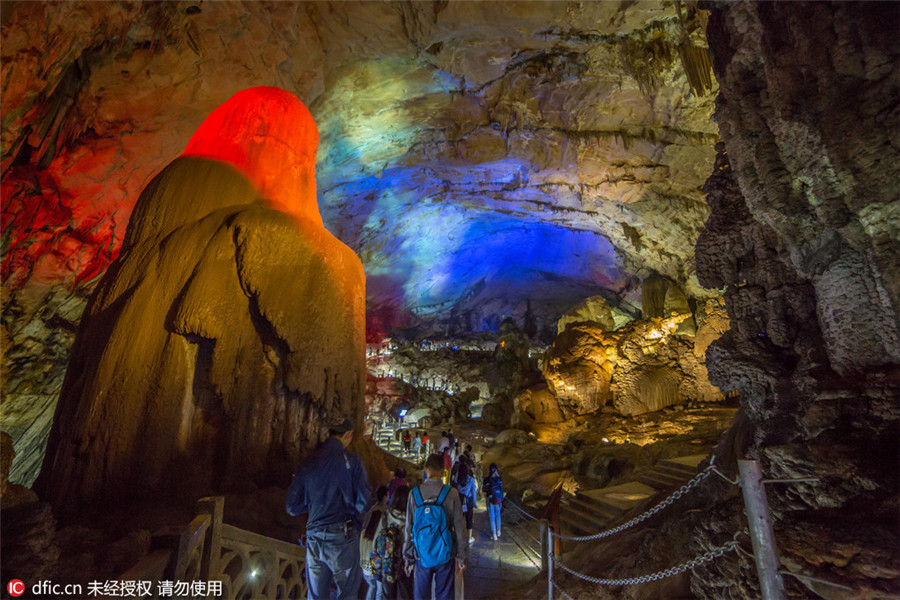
(376, 591)
(469, 504)
(443, 577)
(494, 512)
(332, 555)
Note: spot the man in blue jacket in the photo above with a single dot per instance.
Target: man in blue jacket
(331, 486)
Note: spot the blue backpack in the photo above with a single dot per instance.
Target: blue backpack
(431, 530)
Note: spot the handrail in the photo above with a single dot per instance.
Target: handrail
(239, 563)
(190, 546)
(230, 532)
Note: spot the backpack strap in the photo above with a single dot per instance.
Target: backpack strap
(443, 495)
(417, 496)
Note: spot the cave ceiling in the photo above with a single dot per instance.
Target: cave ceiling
(474, 154)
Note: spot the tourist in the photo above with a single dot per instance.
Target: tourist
(444, 443)
(465, 485)
(370, 526)
(398, 481)
(451, 443)
(417, 445)
(439, 537)
(332, 487)
(407, 440)
(469, 458)
(474, 468)
(387, 556)
(425, 440)
(448, 465)
(493, 493)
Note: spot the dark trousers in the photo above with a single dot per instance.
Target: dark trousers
(441, 575)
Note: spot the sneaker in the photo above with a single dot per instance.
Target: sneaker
(471, 540)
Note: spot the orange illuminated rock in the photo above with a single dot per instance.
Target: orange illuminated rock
(229, 331)
(271, 138)
(643, 367)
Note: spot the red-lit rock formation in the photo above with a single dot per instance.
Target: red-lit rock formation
(225, 336)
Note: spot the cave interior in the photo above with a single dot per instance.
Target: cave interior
(610, 244)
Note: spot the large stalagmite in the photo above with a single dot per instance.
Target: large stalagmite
(228, 331)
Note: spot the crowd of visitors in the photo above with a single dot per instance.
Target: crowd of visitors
(405, 542)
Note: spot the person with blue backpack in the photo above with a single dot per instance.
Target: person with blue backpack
(435, 534)
(493, 493)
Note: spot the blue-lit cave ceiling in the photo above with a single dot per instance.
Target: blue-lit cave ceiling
(481, 158)
(500, 168)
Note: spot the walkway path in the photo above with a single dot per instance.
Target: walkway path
(494, 566)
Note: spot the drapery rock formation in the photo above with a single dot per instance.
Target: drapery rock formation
(643, 367)
(536, 405)
(804, 234)
(595, 308)
(227, 334)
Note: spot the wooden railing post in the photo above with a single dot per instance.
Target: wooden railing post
(545, 544)
(214, 506)
(551, 513)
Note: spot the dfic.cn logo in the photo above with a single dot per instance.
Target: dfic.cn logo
(16, 587)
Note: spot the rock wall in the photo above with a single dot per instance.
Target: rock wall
(804, 234)
(225, 337)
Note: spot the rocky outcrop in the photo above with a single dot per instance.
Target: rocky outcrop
(597, 309)
(803, 234)
(536, 405)
(642, 367)
(226, 336)
(578, 368)
(29, 547)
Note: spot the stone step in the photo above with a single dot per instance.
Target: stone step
(623, 497)
(692, 461)
(660, 481)
(675, 470)
(572, 525)
(598, 507)
(586, 518)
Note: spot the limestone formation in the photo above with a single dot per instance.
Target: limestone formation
(662, 297)
(7, 453)
(578, 368)
(228, 333)
(803, 234)
(643, 367)
(595, 308)
(536, 405)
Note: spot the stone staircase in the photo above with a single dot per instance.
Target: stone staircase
(387, 439)
(592, 511)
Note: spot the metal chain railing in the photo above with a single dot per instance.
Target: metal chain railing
(520, 509)
(670, 572)
(643, 517)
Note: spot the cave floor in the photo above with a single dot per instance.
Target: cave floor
(497, 568)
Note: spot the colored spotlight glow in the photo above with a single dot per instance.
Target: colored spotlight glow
(270, 136)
